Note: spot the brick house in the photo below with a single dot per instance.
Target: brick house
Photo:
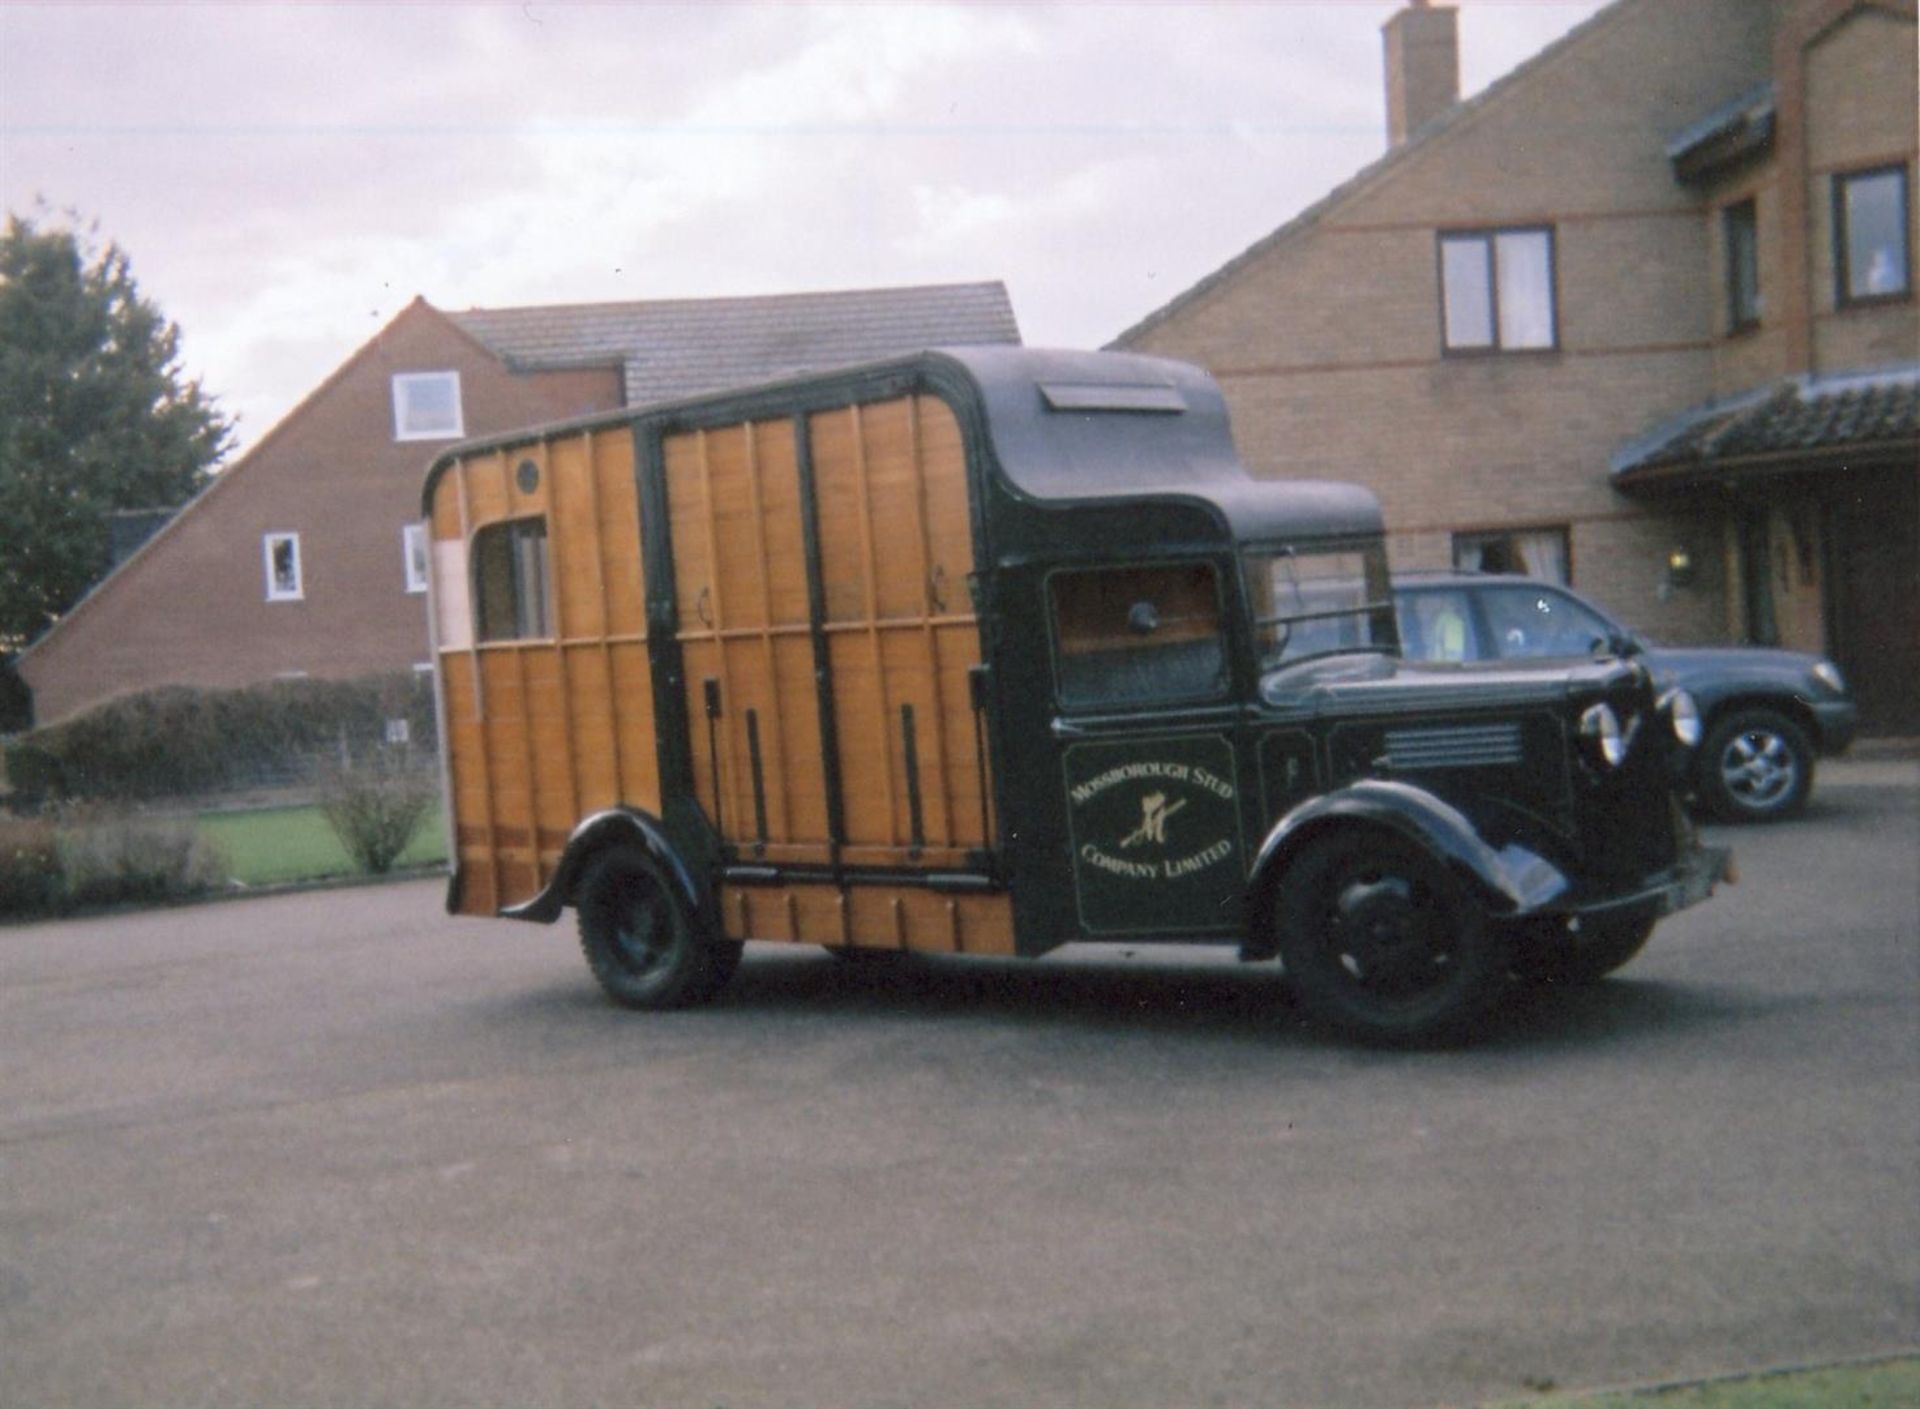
(1640, 316)
(305, 556)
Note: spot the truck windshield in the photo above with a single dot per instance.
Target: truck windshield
(1319, 599)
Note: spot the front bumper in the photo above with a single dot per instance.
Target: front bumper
(1686, 884)
(1835, 722)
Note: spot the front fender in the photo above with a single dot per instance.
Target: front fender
(1510, 881)
(613, 827)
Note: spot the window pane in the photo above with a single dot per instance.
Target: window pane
(426, 405)
(413, 552)
(1528, 623)
(1876, 249)
(1468, 291)
(1743, 266)
(510, 581)
(1525, 263)
(1133, 635)
(283, 566)
(1437, 626)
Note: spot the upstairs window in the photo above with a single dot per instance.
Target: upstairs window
(1137, 635)
(1496, 290)
(426, 406)
(1870, 235)
(510, 573)
(280, 553)
(413, 555)
(1742, 239)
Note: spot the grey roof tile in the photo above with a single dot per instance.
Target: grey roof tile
(674, 348)
(1807, 414)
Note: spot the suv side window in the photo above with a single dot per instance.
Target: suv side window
(1439, 626)
(1533, 621)
(1146, 635)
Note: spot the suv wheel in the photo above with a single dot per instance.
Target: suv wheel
(1757, 766)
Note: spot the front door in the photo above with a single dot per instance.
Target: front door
(1146, 751)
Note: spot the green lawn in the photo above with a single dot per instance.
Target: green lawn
(282, 844)
(1890, 1384)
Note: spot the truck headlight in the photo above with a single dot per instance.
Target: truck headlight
(1828, 674)
(1600, 726)
(1683, 712)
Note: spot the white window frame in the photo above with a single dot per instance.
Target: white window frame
(403, 427)
(275, 593)
(413, 556)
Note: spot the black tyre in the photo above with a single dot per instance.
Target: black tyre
(1757, 766)
(1382, 942)
(1566, 954)
(643, 946)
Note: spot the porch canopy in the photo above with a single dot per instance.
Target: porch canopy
(1821, 422)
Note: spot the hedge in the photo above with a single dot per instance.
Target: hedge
(180, 741)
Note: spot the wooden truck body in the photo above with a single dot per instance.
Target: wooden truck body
(990, 650)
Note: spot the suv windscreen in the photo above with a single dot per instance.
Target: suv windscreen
(1319, 599)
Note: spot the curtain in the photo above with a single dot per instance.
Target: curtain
(1543, 554)
(1524, 266)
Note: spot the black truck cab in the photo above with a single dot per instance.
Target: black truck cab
(1205, 733)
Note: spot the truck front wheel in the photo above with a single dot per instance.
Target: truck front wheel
(643, 946)
(1382, 943)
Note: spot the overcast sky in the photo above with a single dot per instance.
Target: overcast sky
(287, 177)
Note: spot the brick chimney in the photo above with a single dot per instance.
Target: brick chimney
(1423, 67)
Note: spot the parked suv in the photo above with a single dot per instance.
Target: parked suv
(1766, 713)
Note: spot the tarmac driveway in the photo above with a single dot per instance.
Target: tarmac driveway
(336, 1149)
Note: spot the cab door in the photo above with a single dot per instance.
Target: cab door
(1146, 754)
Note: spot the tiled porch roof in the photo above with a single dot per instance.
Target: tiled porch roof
(1814, 416)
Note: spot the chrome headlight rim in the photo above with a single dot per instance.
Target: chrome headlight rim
(1600, 727)
(1683, 714)
(1828, 674)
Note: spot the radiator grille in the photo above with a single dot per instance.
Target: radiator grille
(1457, 746)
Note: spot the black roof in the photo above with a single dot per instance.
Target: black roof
(1082, 426)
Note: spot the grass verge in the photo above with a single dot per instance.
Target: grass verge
(1886, 1384)
(280, 845)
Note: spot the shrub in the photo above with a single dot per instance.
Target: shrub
(376, 805)
(119, 859)
(178, 741)
(30, 871)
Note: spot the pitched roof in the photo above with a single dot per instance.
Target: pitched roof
(1808, 415)
(1365, 178)
(674, 348)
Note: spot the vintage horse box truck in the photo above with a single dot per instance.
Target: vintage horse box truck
(989, 650)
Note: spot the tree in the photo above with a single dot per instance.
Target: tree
(94, 416)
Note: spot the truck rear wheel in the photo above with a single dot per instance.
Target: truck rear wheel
(1383, 944)
(643, 946)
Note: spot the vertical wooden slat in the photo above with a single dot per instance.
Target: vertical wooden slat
(519, 654)
(557, 545)
(864, 503)
(711, 513)
(931, 638)
(777, 752)
(479, 705)
(606, 609)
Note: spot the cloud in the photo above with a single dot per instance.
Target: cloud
(286, 178)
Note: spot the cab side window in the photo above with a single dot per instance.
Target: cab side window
(510, 572)
(1529, 622)
(1130, 636)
